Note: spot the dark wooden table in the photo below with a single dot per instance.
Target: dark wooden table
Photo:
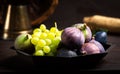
(67, 13)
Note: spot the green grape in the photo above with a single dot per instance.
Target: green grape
(42, 27)
(53, 48)
(39, 53)
(50, 54)
(41, 43)
(34, 40)
(46, 49)
(43, 35)
(36, 30)
(53, 29)
(48, 41)
(46, 31)
(56, 41)
(58, 33)
(36, 34)
(37, 47)
(51, 35)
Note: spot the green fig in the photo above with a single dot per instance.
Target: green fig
(23, 42)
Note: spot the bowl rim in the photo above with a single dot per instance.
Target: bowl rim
(102, 53)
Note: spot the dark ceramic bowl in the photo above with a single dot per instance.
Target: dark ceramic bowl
(82, 61)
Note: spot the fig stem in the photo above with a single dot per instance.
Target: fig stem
(26, 37)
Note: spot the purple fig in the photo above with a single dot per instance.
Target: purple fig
(89, 48)
(66, 53)
(72, 37)
(100, 46)
(86, 31)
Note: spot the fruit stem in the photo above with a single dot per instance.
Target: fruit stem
(83, 27)
(55, 25)
(27, 37)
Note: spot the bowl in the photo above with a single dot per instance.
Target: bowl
(81, 60)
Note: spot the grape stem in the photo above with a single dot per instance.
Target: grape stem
(55, 24)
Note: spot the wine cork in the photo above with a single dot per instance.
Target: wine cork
(112, 24)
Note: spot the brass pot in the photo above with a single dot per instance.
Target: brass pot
(19, 17)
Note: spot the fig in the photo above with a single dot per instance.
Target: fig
(89, 48)
(66, 53)
(72, 38)
(23, 43)
(85, 29)
(100, 46)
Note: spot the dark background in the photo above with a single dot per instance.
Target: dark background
(69, 12)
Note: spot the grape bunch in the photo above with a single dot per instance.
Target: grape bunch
(45, 40)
